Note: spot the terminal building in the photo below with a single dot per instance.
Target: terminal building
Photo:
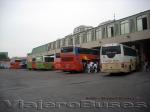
(132, 31)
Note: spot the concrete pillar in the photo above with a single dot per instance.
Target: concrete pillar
(141, 53)
(73, 40)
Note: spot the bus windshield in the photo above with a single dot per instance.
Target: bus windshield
(111, 50)
(49, 59)
(87, 51)
(39, 59)
(17, 60)
(66, 49)
(79, 50)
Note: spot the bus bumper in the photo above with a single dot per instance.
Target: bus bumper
(71, 67)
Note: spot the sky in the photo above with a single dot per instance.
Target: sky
(25, 24)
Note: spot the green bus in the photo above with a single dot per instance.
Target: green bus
(44, 62)
(31, 63)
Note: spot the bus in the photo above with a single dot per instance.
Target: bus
(57, 61)
(116, 58)
(18, 63)
(31, 64)
(15, 64)
(74, 58)
(44, 62)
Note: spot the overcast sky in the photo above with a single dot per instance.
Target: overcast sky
(25, 24)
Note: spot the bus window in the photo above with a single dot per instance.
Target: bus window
(33, 59)
(49, 59)
(111, 50)
(57, 55)
(129, 51)
(95, 52)
(17, 60)
(39, 59)
(87, 51)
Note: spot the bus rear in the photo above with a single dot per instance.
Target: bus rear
(15, 64)
(72, 58)
(117, 58)
(44, 62)
(111, 58)
(69, 60)
(48, 62)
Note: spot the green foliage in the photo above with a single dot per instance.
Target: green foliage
(3, 56)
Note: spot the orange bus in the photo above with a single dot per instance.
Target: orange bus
(18, 63)
(57, 61)
(74, 58)
(15, 64)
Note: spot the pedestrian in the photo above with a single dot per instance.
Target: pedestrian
(85, 66)
(88, 67)
(146, 66)
(95, 67)
(91, 66)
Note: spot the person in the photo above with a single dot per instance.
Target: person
(95, 67)
(91, 66)
(146, 66)
(88, 67)
(85, 66)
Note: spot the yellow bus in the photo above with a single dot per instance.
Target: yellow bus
(117, 58)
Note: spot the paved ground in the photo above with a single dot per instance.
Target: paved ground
(55, 91)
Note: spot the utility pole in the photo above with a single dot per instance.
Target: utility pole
(114, 17)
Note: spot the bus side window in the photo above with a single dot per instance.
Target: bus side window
(129, 51)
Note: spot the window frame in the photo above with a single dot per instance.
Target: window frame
(99, 33)
(110, 31)
(141, 17)
(123, 24)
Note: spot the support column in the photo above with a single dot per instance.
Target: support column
(141, 55)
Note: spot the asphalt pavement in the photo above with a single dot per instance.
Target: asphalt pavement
(56, 91)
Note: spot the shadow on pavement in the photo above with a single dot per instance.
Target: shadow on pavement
(117, 74)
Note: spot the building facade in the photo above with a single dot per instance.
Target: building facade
(133, 31)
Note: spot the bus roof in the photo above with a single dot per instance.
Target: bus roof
(78, 47)
(52, 56)
(111, 44)
(116, 44)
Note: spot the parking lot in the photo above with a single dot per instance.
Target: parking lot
(56, 91)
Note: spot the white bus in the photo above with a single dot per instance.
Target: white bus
(117, 58)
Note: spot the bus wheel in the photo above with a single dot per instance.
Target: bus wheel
(70, 72)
